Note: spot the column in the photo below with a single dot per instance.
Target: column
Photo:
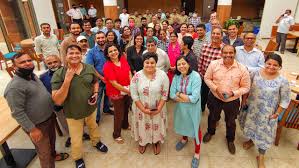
(223, 10)
(110, 9)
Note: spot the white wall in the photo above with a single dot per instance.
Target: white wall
(272, 10)
(297, 14)
(44, 12)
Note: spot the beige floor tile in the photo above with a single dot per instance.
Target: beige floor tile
(229, 162)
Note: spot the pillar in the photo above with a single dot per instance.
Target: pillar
(223, 10)
(110, 9)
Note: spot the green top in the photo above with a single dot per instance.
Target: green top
(81, 88)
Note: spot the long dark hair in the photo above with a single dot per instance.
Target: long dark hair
(106, 51)
(115, 36)
(177, 72)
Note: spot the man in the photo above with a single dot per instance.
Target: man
(154, 21)
(163, 60)
(285, 23)
(133, 28)
(213, 16)
(174, 15)
(124, 17)
(162, 14)
(209, 52)
(83, 11)
(198, 43)
(148, 15)
(195, 20)
(96, 58)
(143, 27)
(232, 37)
(183, 17)
(228, 81)
(250, 56)
(92, 13)
(75, 14)
(31, 106)
(109, 26)
(99, 26)
(90, 36)
(46, 44)
(76, 87)
(83, 44)
(74, 30)
(117, 24)
(214, 24)
(137, 19)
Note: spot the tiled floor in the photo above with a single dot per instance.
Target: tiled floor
(213, 155)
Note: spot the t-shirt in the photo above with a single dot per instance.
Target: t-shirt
(81, 88)
(120, 74)
(124, 17)
(284, 24)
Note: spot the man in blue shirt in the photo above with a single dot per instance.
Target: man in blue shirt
(95, 57)
(109, 26)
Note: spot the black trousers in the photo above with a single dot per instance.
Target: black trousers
(231, 110)
(204, 95)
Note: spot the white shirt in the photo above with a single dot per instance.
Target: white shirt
(163, 60)
(46, 46)
(92, 12)
(75, 13)
(253, 60)
(124, 19)
(285, 23)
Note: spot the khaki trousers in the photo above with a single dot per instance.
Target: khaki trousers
(76, 132)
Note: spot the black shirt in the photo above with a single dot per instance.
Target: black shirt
(134, 58)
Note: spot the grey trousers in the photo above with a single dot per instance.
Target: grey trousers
(281, 39)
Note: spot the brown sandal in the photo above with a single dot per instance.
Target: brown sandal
(142, 149)
(119, 140)
(248, 144)
(157, 148)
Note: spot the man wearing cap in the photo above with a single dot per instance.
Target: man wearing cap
(83, 44)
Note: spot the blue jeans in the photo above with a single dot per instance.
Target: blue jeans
(102, 90)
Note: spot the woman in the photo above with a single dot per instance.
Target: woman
(134, 54)
(170, 30)
(126, 39)
(173, 53)
(268, 97)
(150, 34)
(165, 24)
(157, 29)
(185, 90)
(183, 32)
(186, 48)
(111, 37)
(117, 74)
(163, 42)
(191, 30)
(149, 90)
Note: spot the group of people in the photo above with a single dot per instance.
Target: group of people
(143, 67)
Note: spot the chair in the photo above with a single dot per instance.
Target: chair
(271, 47)
(290, 119)
(5, 58)
(11, 71)
(31, 52)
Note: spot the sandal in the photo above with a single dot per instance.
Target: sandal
(119, 140)
(248, 144)
(61, 156)
(142, 149)
(157, 148)
(180, 145)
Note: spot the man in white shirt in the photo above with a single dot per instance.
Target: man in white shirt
(285, 21)
(92, 13)
(46, 44)
(75, 14)
(99, 26)
(124, 17)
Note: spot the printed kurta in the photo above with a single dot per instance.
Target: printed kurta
(149, 91)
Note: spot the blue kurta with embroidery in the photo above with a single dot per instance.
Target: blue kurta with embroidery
(187, 116)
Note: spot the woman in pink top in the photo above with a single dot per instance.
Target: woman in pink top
(173, 53)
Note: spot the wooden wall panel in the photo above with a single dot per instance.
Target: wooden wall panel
(223, 12)
(152, 5)
(246, 9)
(111, 12)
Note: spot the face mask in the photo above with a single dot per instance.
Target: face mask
(131, 24)
(25, 73)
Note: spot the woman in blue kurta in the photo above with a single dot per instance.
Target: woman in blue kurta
(185, 90)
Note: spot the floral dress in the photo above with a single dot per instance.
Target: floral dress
(149, 91)
(264, 98)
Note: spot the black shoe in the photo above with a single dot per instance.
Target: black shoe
(207, 137)
(68, 142)
(109, 112)
(231, 147)
(97, 121)
(85, 137)
(80, 163)
(101, 147)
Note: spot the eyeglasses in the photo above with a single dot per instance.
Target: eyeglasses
(228, 57)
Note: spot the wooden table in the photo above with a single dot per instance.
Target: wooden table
(294, 83)
(296, 34)
(16, 158)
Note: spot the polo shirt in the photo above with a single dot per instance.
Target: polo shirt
(90, 38)
(46, 46)
(75, 105)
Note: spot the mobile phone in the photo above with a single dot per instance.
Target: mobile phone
(91, 99)
(153, 109)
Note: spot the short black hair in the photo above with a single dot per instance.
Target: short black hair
(107, 19)
(187, 40)
(149, 55)
(106, 50)
(72, 47)
(177, 72)
(115, 36)
(175, 33)
(117, 20)
(228, 45)
(166, 21)
(151, 40)
(275, 57)
(100, 32)
(143, 18)
(17, 55)
(73, 24)
(86, 21)
(201, 26)
(41, 25)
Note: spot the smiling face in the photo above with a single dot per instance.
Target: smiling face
(232, 31)
(46, 29)
(228, 55)
(149, 65)
(173, 38)
(272, 66)
(201, 32)
(183, 28)
(110, 37)
(73, 56)
(151, 47)
(149, 32)
(52, 62)
(249, 40)
(75, 29)
(216, 36)
(139, 40)
(113, 53)
(87, 26)
(183, 66)
(190, 29)
(127, 31)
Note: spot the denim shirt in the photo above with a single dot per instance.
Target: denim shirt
(96, 58)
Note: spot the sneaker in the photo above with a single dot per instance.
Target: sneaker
(195, 163)
(80, 163)
(207, 137)
(85, 136)
(180, 145)
(68, 142)
(231, 147)
(101, 147)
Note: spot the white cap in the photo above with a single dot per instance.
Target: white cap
(79, 38)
